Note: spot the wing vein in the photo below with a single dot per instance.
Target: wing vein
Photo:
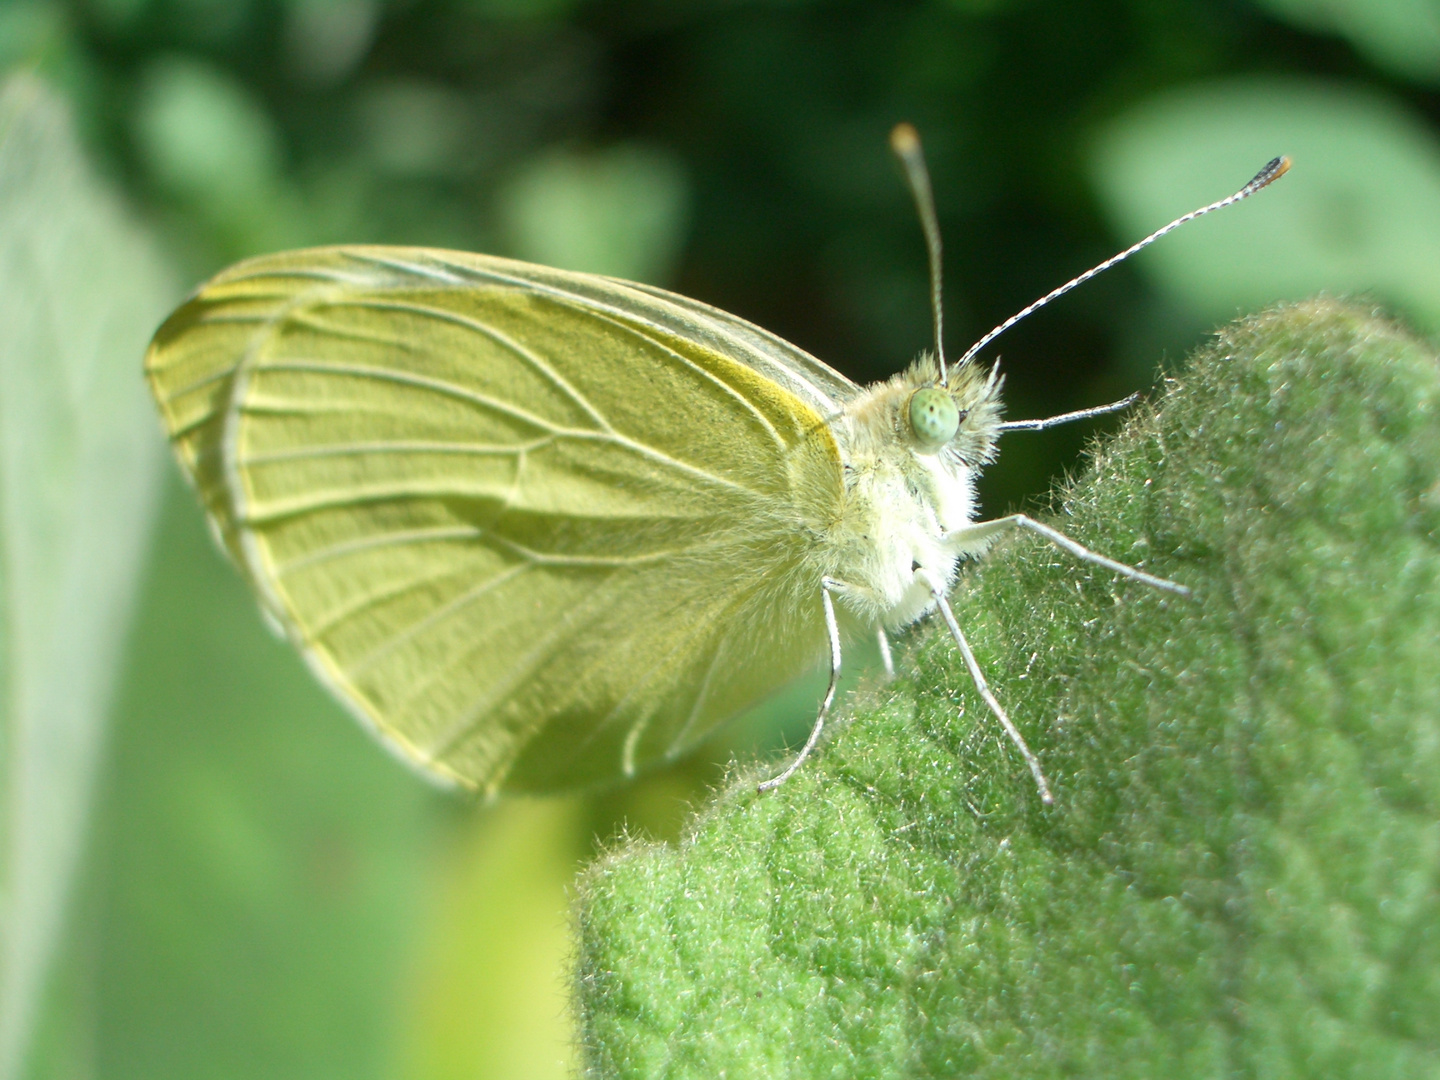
(587, 562)
(534, 360)
(524, 666)
(716, 322)
(449, 389)
(408, 266)
(405, 378)
(331, 277)
(198, 384)
(358, 666)
(306, 453)
(629, 328)
(397, 538)
(322, 626)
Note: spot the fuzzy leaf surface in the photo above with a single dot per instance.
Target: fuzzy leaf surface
(1240, 873)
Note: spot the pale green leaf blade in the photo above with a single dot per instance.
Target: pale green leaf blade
(264, 866)
(81, 288)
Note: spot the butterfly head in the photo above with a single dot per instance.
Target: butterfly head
(958, 418)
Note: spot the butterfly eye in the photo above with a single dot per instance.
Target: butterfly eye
(934, 419)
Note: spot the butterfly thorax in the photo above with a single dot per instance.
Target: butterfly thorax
(901, 499)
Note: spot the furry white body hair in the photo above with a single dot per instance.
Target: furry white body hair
(903, 505)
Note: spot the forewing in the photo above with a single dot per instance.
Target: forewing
(537, 528)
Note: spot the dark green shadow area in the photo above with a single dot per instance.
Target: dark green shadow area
(1241, 875)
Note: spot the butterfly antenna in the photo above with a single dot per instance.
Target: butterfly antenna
(905, 141)
(1264, 178)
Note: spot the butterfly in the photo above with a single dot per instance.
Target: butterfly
(540, 530)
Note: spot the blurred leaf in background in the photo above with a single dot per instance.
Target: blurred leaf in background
(619, 212)
(1402, 36)
(1360, 212)
(263, 868)
(80, 289)
(215, 150)
(325, 39)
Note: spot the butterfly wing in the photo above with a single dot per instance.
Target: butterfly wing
(536, 528)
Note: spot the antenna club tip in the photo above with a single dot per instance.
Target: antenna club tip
(1277, 168)
(904, 139)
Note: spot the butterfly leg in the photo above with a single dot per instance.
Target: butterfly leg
(833, 629)
(937, 590)
(975, 539)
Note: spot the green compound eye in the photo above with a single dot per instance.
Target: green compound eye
(934, 419)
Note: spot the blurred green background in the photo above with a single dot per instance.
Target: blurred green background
(208, 869)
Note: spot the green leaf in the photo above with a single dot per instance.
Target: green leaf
(414, 128)
(1241, 875)
(620, 212)
(1358, 213)
(81, 288)
(1401, 36)
(208, 143)
(203, 136)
